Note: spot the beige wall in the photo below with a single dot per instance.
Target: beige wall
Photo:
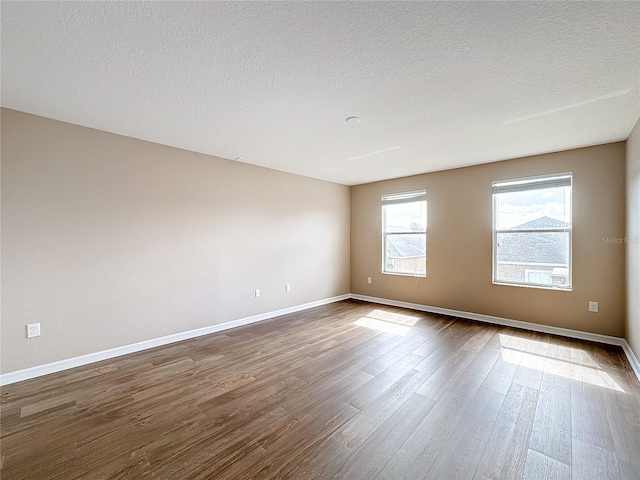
(108, 240)
(633, 240)
(459, 242)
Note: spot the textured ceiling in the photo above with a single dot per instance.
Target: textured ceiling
(437, 85)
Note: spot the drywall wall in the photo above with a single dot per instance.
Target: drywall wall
(109, 240)
(459, 242)
(633, 240)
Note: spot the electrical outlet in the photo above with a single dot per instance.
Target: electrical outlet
(287, 288)
(257, 292)
(593, 307)
(368, 279)
(33, 330)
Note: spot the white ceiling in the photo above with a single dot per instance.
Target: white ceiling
(437, 85)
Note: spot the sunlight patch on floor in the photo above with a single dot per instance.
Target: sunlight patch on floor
(567, 362)
(567, 354)
(395, 323)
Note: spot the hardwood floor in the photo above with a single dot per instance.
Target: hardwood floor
(328, 393)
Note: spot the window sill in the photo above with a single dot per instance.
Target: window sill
(539, 287)
(402, 274)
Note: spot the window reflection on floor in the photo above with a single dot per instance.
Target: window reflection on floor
(567, 362)
(394, 323)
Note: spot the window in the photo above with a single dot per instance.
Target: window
(539, 277)
(404, 233)
(532, 231)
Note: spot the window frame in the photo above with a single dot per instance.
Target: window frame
(413, 196)
(527, 183)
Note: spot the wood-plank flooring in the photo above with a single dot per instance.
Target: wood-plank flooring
(350, 390)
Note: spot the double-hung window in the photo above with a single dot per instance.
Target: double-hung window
(532, 231)
(404, 233)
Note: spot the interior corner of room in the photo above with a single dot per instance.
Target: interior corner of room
(114, 244)
(168, 171)
(320, 240)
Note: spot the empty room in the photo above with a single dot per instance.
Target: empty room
(315, 240)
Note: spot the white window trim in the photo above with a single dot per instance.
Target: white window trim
(530, 180)
(397, 198)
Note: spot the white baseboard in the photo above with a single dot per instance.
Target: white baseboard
(38, 371)
(535, 327)
(633, 360)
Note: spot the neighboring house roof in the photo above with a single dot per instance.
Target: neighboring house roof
(543, 222)
(543, 247)
(403, 246)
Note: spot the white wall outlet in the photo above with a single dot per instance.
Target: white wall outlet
(33, 330)
(287, 288)
(593, 307)
(257, 292)
(368, 279)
